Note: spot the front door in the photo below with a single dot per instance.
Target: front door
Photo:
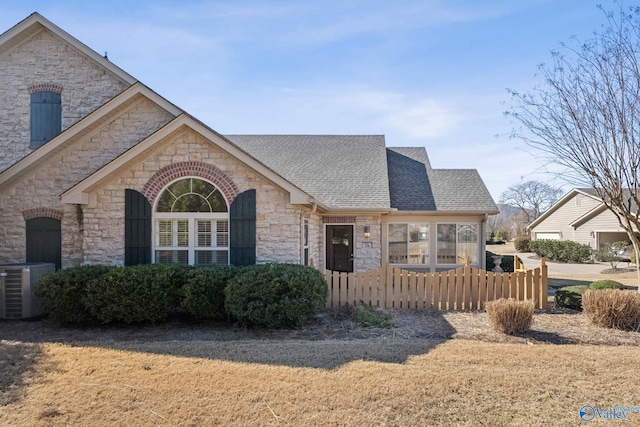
(340, 248)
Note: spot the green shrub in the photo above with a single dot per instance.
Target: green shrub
(368, 317)
(613, 308)
(521, 244)
(633, 257)
(561, 250)
(275, 295)
(203, 293)
(133, 294)
(570, 296)
(606, 284)
(62, 293)
(506, 264)
(510, 316)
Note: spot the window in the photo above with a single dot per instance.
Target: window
(456, 243)
(408, 243)
(305, 242)
(46, 117)
(191, 224)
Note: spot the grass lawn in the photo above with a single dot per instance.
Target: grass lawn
(297, 382)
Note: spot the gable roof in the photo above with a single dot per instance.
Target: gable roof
(84, 126)
(35, 23)
(341, 171)
(79, 193)
(589, 192)
(415, 186)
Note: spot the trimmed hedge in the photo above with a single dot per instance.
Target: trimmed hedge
(203, 292)
(276, 295)
(139, 293)
(561, 250)
(272, 295)
(62, 294)
(521, 244)
(570, 296)
(606, 284)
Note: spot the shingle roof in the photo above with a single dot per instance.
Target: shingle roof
(360, 172)
(415, 186)
(340, 171)
(409, 183)
(460, 190)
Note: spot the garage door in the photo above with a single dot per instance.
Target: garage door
(548, 236)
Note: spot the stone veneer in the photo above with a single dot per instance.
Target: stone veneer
(278, 223)
(45, 61)
(40, 187)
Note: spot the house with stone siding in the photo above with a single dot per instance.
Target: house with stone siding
(97, 168)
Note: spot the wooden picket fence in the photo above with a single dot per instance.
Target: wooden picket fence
(465, 288)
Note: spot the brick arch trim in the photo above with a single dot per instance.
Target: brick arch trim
(170, 173)
(42, 212)
(45, 87)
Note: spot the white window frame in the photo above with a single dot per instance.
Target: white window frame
(192, 218)
(305, 255)
(408, 241)
(457, 248)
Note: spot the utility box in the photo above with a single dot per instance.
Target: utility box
(17, 287)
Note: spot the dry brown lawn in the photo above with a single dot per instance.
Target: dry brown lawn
(433, 368)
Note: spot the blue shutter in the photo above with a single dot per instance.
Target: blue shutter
(46, 117)
(137, 228)
(242, 229)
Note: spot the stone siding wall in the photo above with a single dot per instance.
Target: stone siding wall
(278, 223)
(44, 60)
(42, 185)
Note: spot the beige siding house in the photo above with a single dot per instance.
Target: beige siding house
(95, 167)
(579, 216)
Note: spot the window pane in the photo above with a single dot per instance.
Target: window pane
(165, 233)
(191, 203)
(217, 202)
(222, 233)
(418, 243)
(222, 257)
(306, 233)
(468, 242)
(446, 244)
(183, 232)
(397, 243)
(168, 257)
(203, 257)
(204, 233)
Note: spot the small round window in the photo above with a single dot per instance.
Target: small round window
(191, 195)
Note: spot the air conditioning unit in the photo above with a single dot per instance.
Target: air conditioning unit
(17, 286)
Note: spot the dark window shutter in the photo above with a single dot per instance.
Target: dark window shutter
(242, 229)
(44, 241)
(46, 117)
(137, 228)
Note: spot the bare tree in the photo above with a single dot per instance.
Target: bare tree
(585, 116)
(532, 197)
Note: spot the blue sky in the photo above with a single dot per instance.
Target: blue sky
(430, 73)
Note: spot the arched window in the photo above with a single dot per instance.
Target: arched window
(191, 224)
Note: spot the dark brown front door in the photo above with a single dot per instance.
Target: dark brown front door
(340, 248)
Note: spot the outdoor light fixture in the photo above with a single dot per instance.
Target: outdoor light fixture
(367, 232)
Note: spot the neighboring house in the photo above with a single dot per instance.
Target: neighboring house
(97, 168)
(580, 216)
